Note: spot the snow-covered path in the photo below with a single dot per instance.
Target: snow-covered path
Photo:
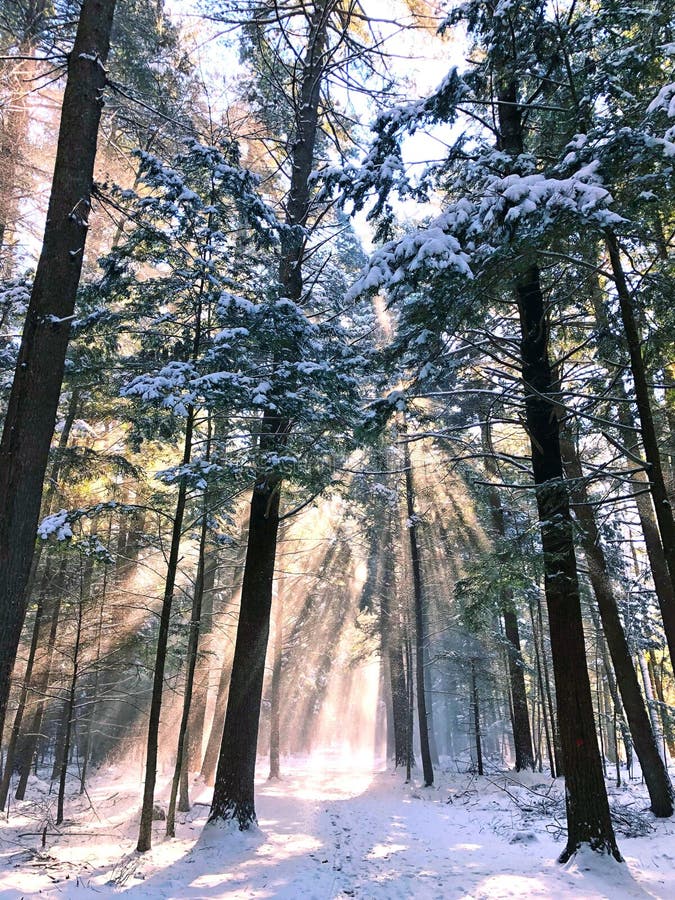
(327, 831)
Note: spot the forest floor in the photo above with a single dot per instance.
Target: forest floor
(330, 830)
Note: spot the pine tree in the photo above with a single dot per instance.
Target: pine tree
(33, 401)
(481, 232)
(234, 789)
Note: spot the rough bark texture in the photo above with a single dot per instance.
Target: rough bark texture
(233, 795)
(588, 819)
(33, 402)
(522, 736)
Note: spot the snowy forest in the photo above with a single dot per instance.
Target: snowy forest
(337, 468)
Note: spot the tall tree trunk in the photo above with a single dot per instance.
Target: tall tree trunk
(275, 690)
(15, 126)
(399, 692)
(653, 769)
(62, 744)
(649, 694)
(392, 646)
(616, 699)
(658, 566)
(663, 584)
(60, 738)
(418, 602)
(410, 703)
(27, 745)
(57, 473)
(33, 401)
(152, 746)
(588, 819)
(91, 718)
(70, 707)
(546, 723)
(476, 719)
(193, 643)
(429, 695)
(664, 706)
(210, 761)
(21, 707)
(205, 655)
(53, 478)
(522, 736)
(233, 796)
(548, 693)
(662, 508)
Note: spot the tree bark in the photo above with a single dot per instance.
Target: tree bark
(33, 401)
(275, 691)
(663, 584)
(664, 706)
(616, 699)
(15, 126)
(392, 646)
(588, 818)
(21, 707)
(658, 566)
(420, 636)
(653, 769)
(522, 736)
(476, 718)
(396, 656)
(410, 703)
(210, 761)
(193, 644)
(233, 796)
(69, 709)
(152, 746)
(649, 694)
(662, 507)
(204, 660)
(28, 743)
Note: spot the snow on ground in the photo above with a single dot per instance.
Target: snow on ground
(332, 829)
